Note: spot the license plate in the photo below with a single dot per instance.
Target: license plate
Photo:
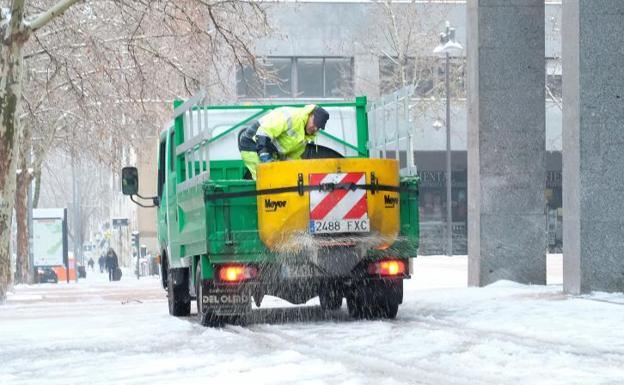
(340, 226)
(338, 210)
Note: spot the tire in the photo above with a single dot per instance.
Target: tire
(376, 300)
(354, 306)
(164, 270)
(178, 296)
(360, 307)
(330, 300)
(389, 310)
(199, 290)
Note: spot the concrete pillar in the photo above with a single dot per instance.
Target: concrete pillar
(506, 141)
(593, 146)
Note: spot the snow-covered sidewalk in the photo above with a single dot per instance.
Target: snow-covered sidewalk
(101, 332)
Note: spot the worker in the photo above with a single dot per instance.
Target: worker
(282, 134)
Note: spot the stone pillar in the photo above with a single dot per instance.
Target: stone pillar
(593, 146)
(506, 142)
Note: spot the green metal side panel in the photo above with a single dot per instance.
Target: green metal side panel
(407, 244)
(219, 228)
(192, 222)
(179, 139)
(227, 169)
(362, 125)
(232, 224)
(207, 268)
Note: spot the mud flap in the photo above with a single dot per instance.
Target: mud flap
(225, 300)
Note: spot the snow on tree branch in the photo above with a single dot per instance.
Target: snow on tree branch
(44, 18)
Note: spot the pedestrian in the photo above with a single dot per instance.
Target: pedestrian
(112, 263)
(282, 134)
(101, 262)
(90, 263)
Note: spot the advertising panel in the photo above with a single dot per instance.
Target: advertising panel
(48, 237)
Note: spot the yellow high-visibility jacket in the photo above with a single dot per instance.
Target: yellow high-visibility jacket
(285, 126)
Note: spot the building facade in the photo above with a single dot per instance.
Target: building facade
(336, 50)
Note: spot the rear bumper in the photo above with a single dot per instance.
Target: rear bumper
(297, 287)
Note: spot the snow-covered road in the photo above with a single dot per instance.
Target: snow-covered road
(96, 332)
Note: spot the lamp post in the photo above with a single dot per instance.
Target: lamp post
(447, 45)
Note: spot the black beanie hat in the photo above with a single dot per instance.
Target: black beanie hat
(320, 117)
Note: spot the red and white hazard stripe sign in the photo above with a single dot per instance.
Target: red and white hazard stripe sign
(340, 210)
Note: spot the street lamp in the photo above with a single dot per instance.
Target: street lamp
(447, 45)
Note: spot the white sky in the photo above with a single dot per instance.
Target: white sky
(96, 332)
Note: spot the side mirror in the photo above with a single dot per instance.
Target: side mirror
(129, 181)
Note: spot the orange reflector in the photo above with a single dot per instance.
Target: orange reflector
(235, 273)
(387, 268)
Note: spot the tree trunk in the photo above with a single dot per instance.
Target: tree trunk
(7, 196)
(10, 94)
(22, 265)
(8, 139)
(37, 187)
(24, 179)
(14, 34)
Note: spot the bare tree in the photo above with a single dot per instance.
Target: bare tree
(410, 32)
(99, 77)
(16, 29)
(553, 64)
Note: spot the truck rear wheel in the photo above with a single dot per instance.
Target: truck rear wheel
(330, 299)
(355, 307)
(199, 293)
(359, 308)
(376, 300)
(178, 293)
(164, 270)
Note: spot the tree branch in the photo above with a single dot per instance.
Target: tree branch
(47, 16)
(554, 98)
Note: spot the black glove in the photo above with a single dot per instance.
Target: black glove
(263, 145)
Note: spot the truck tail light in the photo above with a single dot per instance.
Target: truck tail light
(236, 273)
(387, 268)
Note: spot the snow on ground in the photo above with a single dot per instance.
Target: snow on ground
(101, 332)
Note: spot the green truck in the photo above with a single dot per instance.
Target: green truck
(226, 239)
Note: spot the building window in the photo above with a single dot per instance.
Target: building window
(248, 83)
(279, 85)
(338, 77)
(310, 77)
(298, 77)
